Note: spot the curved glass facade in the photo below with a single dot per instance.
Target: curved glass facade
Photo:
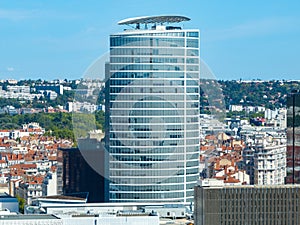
(152, 106)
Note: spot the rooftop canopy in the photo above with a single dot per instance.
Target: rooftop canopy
(153, 19)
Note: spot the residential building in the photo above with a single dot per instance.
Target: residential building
(30, 190)
(260, 109)
(19, 89)
(52, 95)
(264, 156)
(59, 89)
(78, 106)
(249, 109)
(276, 118)
(236, 108)
(12, 81)
(49, 186)
(211, 125)
(270, 163)
(152, 112)
(248, 162)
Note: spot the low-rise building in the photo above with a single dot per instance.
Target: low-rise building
(12, 219)
(237, 108)
(30, 190)
(8, 202)
(56, 88)
(19, 89)
(80, 219)
(49, 186)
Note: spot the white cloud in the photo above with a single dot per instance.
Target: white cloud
(23, 14)
(90, 30)
(10, 69)
(254, 28)
(16, 14)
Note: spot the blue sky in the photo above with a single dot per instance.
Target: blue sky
(60, 39)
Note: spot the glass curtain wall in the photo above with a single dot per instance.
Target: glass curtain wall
(153, 112)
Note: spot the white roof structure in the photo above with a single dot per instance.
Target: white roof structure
(153, 19)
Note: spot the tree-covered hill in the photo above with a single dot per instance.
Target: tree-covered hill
(271, 94)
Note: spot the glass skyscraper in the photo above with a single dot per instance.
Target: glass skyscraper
(152, 111)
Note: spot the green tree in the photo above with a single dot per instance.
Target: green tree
(22, 203)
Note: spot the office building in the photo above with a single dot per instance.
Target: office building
(152, 112)
(293, 138)
(247, 204)
(76, 174)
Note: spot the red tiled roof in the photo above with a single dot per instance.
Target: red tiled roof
(210, 137)
(23, 166)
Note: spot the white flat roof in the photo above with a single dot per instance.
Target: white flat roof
(111, 204)
(154, 19)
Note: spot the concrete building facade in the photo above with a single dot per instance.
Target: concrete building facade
(248, 204)
(270, 164)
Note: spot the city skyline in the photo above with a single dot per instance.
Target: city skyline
(61, 39)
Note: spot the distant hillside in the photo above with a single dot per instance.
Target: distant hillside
(271, 94)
